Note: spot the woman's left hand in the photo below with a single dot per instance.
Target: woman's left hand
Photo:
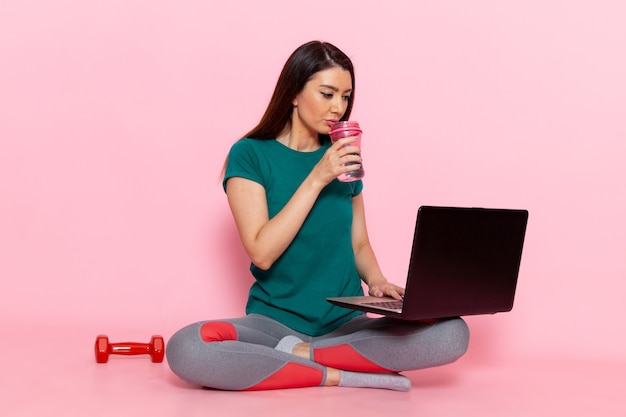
(387, 289)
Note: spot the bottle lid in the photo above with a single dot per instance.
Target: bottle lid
(345, 125)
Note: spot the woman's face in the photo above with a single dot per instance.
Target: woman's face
(322, 101)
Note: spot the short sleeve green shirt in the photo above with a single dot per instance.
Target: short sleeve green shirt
(319, 263)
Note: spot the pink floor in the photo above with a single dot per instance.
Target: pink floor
(52, 372)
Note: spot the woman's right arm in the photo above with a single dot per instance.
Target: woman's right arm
(263, 239)
(266, 239)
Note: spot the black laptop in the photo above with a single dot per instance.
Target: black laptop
(464, 261)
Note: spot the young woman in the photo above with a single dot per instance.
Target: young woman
(306, 236)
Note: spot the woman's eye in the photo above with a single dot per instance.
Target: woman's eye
(346, 98)
(327, 95)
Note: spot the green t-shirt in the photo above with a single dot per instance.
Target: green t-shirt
(319, 262)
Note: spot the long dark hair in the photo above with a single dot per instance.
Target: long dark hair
(304, 62)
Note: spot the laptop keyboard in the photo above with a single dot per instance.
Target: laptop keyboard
(394, 305)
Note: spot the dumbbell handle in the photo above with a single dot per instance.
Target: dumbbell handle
(130, 348)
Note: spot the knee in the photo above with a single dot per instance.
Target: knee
(456, 333)
(182, 348)
(191, 352)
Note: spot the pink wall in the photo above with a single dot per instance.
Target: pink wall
(115, 118)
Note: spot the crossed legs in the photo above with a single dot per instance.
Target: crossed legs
(241, 354)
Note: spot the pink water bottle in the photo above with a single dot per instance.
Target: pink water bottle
(347, 129)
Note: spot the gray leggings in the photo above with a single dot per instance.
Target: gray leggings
(239, 354)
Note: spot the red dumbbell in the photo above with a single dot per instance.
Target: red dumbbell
(156, 348)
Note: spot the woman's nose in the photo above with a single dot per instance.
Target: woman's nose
(338, 106)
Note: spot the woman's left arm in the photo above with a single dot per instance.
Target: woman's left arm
(366, 263)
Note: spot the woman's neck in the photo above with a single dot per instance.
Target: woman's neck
(303, 141)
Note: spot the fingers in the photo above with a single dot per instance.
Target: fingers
(396, 294)
(342, 147)
(344, 156)
(340, 158)
(343, 142)
(389, 290)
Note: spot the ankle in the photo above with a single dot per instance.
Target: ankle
(332, 377)
(302, 350)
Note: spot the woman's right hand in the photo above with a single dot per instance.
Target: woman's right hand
(336, 160)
